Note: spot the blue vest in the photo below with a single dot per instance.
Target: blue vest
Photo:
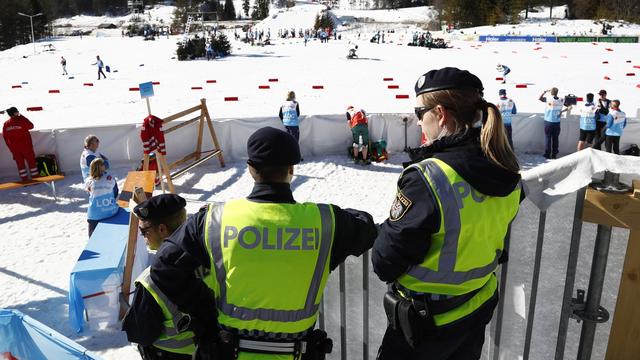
(102, 201)
(85, 161)
(289, 113)
(506, 110)
(588, 117)
(616, 122)
(553, 109)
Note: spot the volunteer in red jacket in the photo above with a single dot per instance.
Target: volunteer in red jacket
(16, 134)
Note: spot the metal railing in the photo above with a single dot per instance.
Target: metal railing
(589, 311)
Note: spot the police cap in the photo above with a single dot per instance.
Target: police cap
(272, 147)
(445, 79)
(159, 206)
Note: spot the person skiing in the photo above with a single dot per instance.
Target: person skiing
(100, 65)
(16, 134)
(63, 62)
(352, 51)
(505, 70)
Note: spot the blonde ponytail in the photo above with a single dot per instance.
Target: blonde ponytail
(493, 139)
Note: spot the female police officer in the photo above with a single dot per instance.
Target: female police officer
(445, 233)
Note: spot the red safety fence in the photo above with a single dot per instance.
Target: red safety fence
(521, 86)
(88, 84)
(402, 96)
(156, 82)
(16, 86)
(631, 74)
(317, 87)
(273, 80)
(387, 79)
(393, 87)
(607, 78)
(35, 108)
(134, 89)
(54, 91)
(211, 81)
(231, 98)
(196, 88)
(264, 87)
(499, 79)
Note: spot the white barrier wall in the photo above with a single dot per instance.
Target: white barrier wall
(319, 135)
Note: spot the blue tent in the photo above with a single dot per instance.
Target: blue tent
(25, 338)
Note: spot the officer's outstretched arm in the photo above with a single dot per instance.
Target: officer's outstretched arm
(355, 232)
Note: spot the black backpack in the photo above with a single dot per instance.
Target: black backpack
(632, 150)
(47, 165)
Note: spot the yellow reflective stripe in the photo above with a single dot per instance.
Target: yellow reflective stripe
(473, 304)
(243, 313)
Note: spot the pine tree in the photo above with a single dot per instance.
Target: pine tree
(229, 10)
(245, 7)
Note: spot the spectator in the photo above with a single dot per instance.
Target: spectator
(100, 65)
(209, 51)
(289, 115)
(103, 191)
(552, 112)
(507, 108)
(358, 123)
(601, 119)
(63, 62)
(16, 134)
(587, 123)
(90, 153)
(616, 122)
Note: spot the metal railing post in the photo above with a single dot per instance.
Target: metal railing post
(570, 278)
(534, 284)
(365, 305)
(503, 286)
(594, 293)
(343, 314)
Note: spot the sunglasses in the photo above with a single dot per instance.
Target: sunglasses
(421, 110)
(145, 230)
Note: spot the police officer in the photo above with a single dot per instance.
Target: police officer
(153, 321)
(442, 242)
(266, 259)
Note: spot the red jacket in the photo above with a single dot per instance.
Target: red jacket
(356, 118)
(152, 135)
(16, 133)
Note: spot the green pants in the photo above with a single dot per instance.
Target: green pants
(360, 130)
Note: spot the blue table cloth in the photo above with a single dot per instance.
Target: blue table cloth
(25, 338)
(101, 260)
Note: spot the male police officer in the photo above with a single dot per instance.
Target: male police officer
(268, 259)
(153, 321)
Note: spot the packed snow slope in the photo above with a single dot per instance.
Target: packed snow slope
(574, 68)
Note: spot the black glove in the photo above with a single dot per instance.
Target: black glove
(206, 350)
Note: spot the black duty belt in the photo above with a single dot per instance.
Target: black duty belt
(439, 304)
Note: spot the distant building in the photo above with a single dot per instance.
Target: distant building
(135, 6)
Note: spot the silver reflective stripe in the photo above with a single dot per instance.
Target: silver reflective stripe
(274, 347)
(446, 273)
(244, 313)
(173, 343)
(176, 315)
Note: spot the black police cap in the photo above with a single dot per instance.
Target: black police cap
(447, 78)
(159, 206)
(272, 147)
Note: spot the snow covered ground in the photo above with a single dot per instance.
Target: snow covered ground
(41, 239)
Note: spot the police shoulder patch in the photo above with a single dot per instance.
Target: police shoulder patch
(399, 207)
